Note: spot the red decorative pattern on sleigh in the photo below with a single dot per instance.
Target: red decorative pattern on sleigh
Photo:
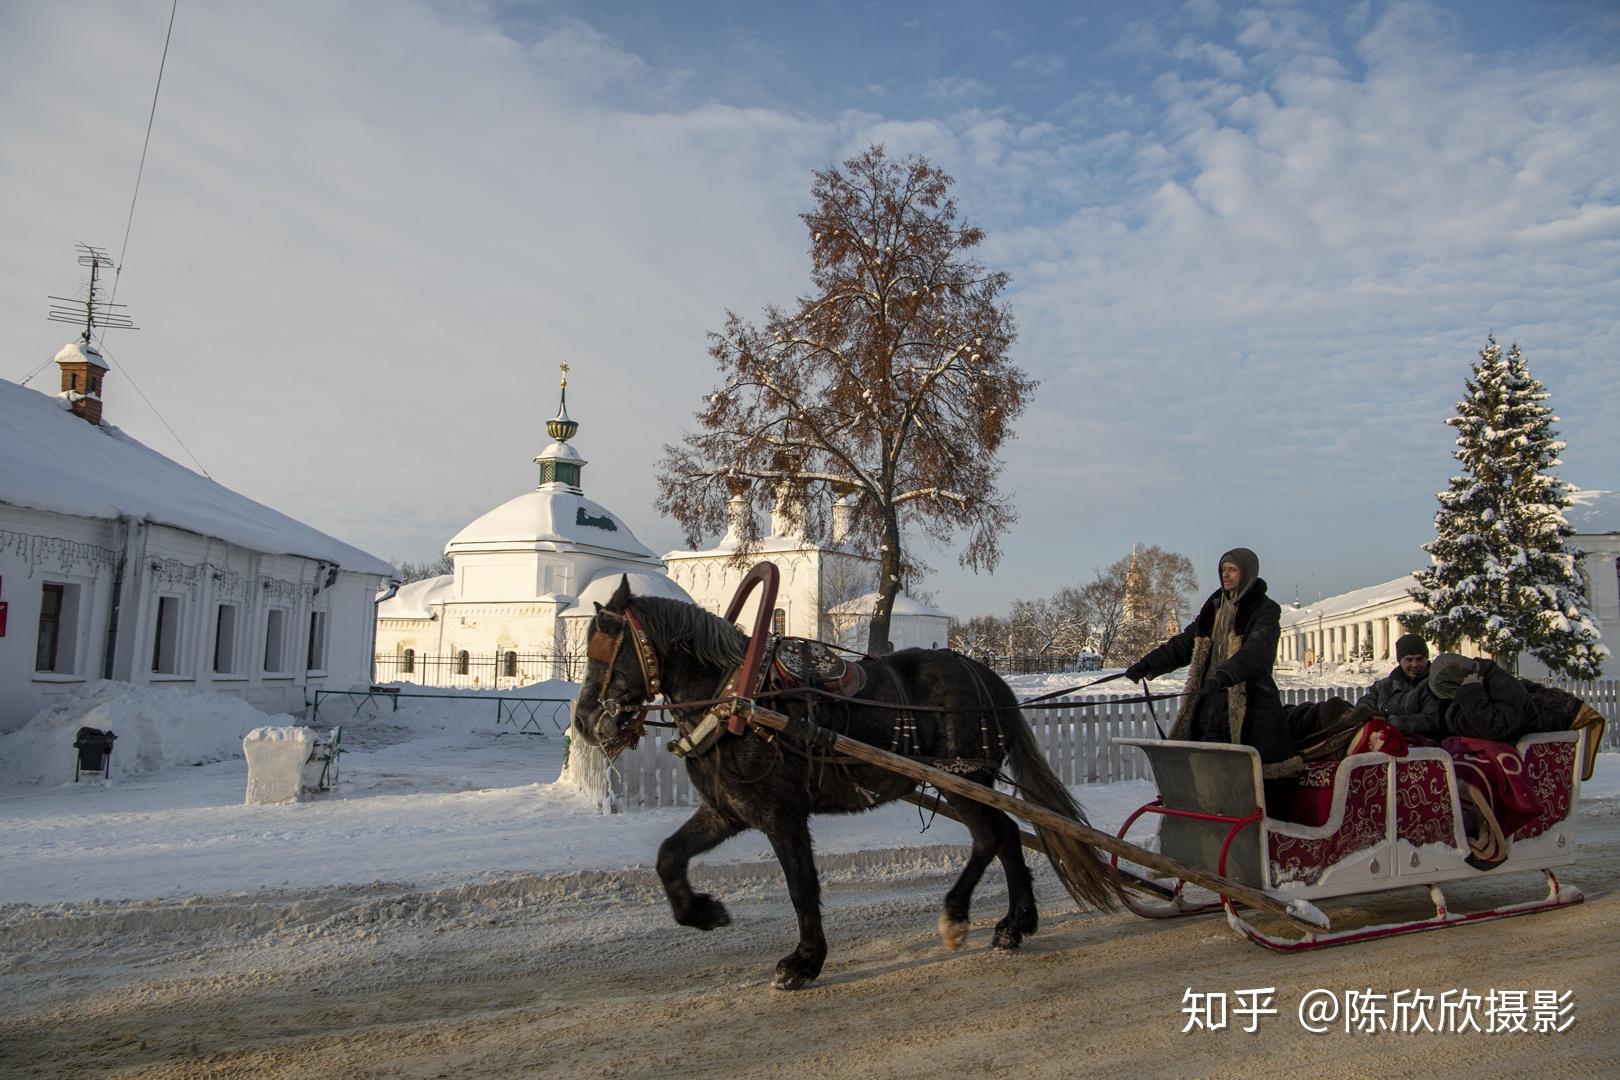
(1353, 836)
(1369, 823)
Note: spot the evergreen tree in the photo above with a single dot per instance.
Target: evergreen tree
(1502, 572)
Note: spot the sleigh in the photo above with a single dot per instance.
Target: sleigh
(1366, 824)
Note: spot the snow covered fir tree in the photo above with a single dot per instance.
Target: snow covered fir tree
(1502, 572)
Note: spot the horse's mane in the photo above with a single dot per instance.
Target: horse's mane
(678, 625)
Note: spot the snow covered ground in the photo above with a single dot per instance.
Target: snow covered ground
(433, 795)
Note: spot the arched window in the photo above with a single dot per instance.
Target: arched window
(410, 661)
(778, 622)
(511, 663)
(461, 662)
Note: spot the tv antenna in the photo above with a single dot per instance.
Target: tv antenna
(92, 311)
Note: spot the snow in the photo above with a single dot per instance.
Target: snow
(57, 462)
(1594, 512)
(548, 518)
(430, 796)
(433, 795)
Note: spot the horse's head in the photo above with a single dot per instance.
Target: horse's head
(621, 675)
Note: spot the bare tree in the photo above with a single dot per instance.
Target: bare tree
(414, 571)
(1163, 582)
(889, 386)
(979, 637)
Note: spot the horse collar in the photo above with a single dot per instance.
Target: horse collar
(644, 653)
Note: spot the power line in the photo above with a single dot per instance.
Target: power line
(141, 171)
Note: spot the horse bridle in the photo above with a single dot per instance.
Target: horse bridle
(604, 647)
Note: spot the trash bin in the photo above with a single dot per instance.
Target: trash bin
(94, 748)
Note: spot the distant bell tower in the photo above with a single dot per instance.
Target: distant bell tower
(81, 362)
(560, 464)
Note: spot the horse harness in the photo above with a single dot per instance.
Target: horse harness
(791, 667)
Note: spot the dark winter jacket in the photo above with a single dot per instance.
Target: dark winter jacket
(1250, 710)
(1497, 707)
(1408, 704)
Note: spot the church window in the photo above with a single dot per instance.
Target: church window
(511, 663)
(410, 661)
(461, 662)
(778, 622)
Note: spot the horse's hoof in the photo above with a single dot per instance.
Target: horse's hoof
(706, 913)
(787, 979)
(1029, 920)
(952, 931)
(1007, 937)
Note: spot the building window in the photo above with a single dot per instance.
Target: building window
(275, 640)
(56, 648)
(778, 622)
(225, 639)
(166, 637)
(461, 662)
(315, 659)
(511, 663)
(410, 661)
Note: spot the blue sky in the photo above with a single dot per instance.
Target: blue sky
(1253, 246)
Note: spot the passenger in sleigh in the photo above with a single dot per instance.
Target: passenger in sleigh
(1403, 697)
(1228, 652)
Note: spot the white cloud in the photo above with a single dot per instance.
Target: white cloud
(1042, 65)
(364, 243)
(957, 88)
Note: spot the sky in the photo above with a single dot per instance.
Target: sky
(1253, 247)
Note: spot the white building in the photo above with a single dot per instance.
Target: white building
(1340, 629)
(527, 576)
(912, 623)
(1595, 517)
(116, 562)
(1352, 627)
(815, 577)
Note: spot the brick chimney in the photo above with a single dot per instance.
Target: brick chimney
(82, 369)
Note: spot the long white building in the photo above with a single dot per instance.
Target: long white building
(118, 563)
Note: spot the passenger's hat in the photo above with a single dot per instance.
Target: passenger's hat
(1411, 645)
(1446, 673)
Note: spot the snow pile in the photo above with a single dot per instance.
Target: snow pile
(276, 757)
(156, 729)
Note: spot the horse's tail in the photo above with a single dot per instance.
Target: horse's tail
(1083, 872)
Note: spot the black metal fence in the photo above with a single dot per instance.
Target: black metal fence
(478, 671)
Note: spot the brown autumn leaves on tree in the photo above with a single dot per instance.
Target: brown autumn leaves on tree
(889, 386)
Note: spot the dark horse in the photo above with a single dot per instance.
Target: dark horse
(775, 785)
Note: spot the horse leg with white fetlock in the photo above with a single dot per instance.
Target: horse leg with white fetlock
(994, 836)
(703, 831)
(790, 838)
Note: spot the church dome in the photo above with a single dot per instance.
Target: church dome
(549, 518)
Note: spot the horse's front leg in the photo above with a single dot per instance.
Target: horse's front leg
(791, 841)
(703, 831)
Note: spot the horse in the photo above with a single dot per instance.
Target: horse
(932, 704)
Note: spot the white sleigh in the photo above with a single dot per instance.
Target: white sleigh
(1369, 823)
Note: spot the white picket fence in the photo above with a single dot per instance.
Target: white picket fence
(1077, 740)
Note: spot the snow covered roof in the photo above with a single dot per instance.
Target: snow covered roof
(903, 605)
(1594, 512)
(643, 582)
(415, 599)
(56, 462)
(552, 516)
(1355, 600)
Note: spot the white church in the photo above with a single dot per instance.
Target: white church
(527, 575)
